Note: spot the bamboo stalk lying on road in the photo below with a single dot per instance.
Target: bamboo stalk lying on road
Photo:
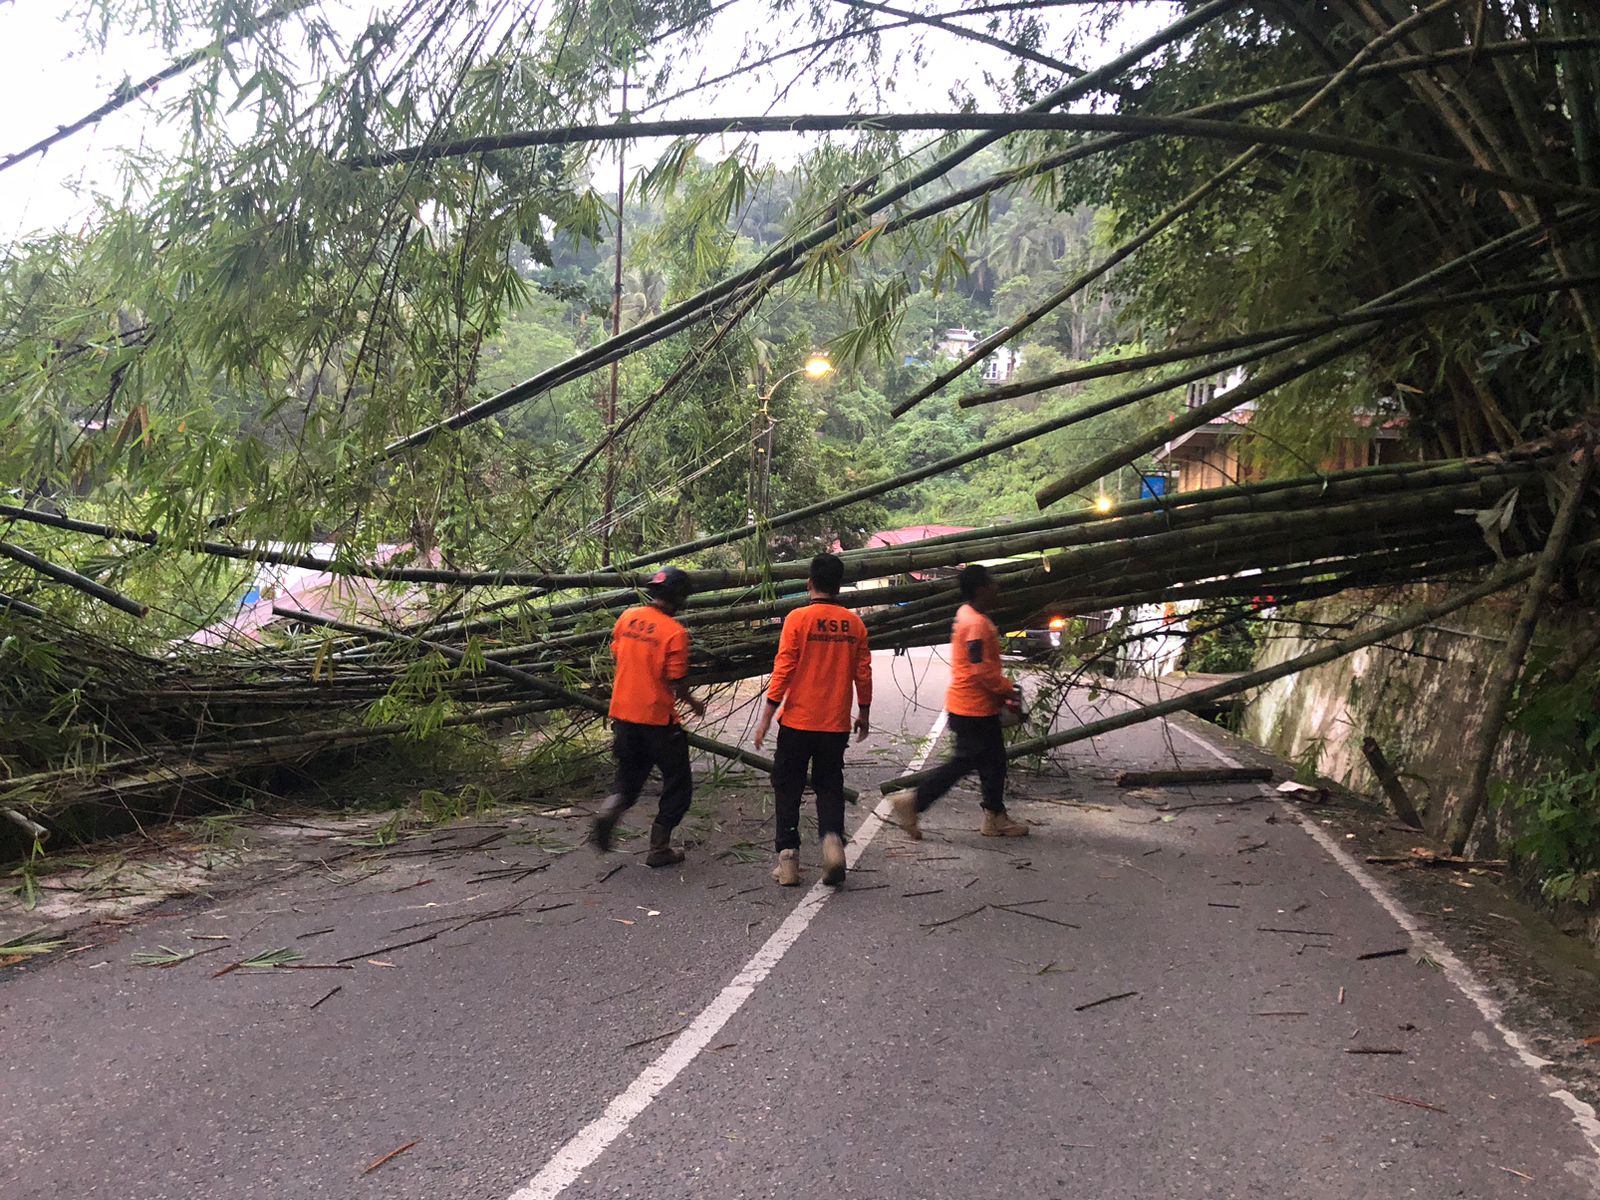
(1498, 582)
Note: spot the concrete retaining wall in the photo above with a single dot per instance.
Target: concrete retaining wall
(1420, 697)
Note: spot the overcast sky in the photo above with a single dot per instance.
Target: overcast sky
(48, 79)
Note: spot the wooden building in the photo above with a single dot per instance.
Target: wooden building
(1209, 456)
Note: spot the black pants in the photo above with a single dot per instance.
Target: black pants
(980, 747)
(638, 748)
(823, 753)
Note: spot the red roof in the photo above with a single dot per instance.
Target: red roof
(324, 594)
(911, 533)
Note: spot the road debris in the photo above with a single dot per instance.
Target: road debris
(1103, 1000)
(27, 946)
(371, 954)
(329, 995)
(1410, 1101)
(1374, 1050)
(1201, 775)
(1301, 792)
(1383, 953)
(166, 956)
(395, 1153)
(656, 1038)
(1301, 932)
(959, 917)
(1022, 912)
(1422, 857)
(264, 961)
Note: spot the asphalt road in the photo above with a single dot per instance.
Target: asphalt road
(1157, 994)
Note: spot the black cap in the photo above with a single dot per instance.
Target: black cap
(670, 584)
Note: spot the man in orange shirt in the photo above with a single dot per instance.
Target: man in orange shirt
(652, 655)
(978, 691)
(822, 653)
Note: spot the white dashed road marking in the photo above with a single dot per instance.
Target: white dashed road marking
(590, 1142)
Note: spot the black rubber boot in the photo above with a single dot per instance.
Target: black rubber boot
(605, 824)
(662, 852)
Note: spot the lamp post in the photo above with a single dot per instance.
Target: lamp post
(816, 366)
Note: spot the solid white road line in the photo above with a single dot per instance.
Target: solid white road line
(1583, 1114)
(590, 1142)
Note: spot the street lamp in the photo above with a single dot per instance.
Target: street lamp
(818, 366)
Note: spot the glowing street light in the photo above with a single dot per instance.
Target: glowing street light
(1102, 504)
(818, 366)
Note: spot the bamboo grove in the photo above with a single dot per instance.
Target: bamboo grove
(1369, 211)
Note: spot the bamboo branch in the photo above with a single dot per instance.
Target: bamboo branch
(786, 259)
(72, 579)
(127, 93)
(1498, 582)
(1203, 414)
(1500, 688)
(1004, 123)
(934, 22)
(690, 362)
(10, 604)
(1294, 331)
(1176, 212)
(542, 686)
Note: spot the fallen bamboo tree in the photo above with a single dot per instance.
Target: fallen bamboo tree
(1508, 576)
(544, 687)
(1233, 132)
(1298, 538)
(782, 261)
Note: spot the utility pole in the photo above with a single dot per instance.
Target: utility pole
(609, 496)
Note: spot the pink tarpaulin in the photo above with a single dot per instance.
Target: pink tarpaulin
(321, 593)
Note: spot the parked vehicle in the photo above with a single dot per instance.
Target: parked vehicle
(1035, 642)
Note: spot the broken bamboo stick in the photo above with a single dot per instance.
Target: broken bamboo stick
(1199, 775)
(1389, 780)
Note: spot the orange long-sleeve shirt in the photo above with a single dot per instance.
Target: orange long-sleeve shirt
(978, 686)
(821, 653)
(652, 653)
